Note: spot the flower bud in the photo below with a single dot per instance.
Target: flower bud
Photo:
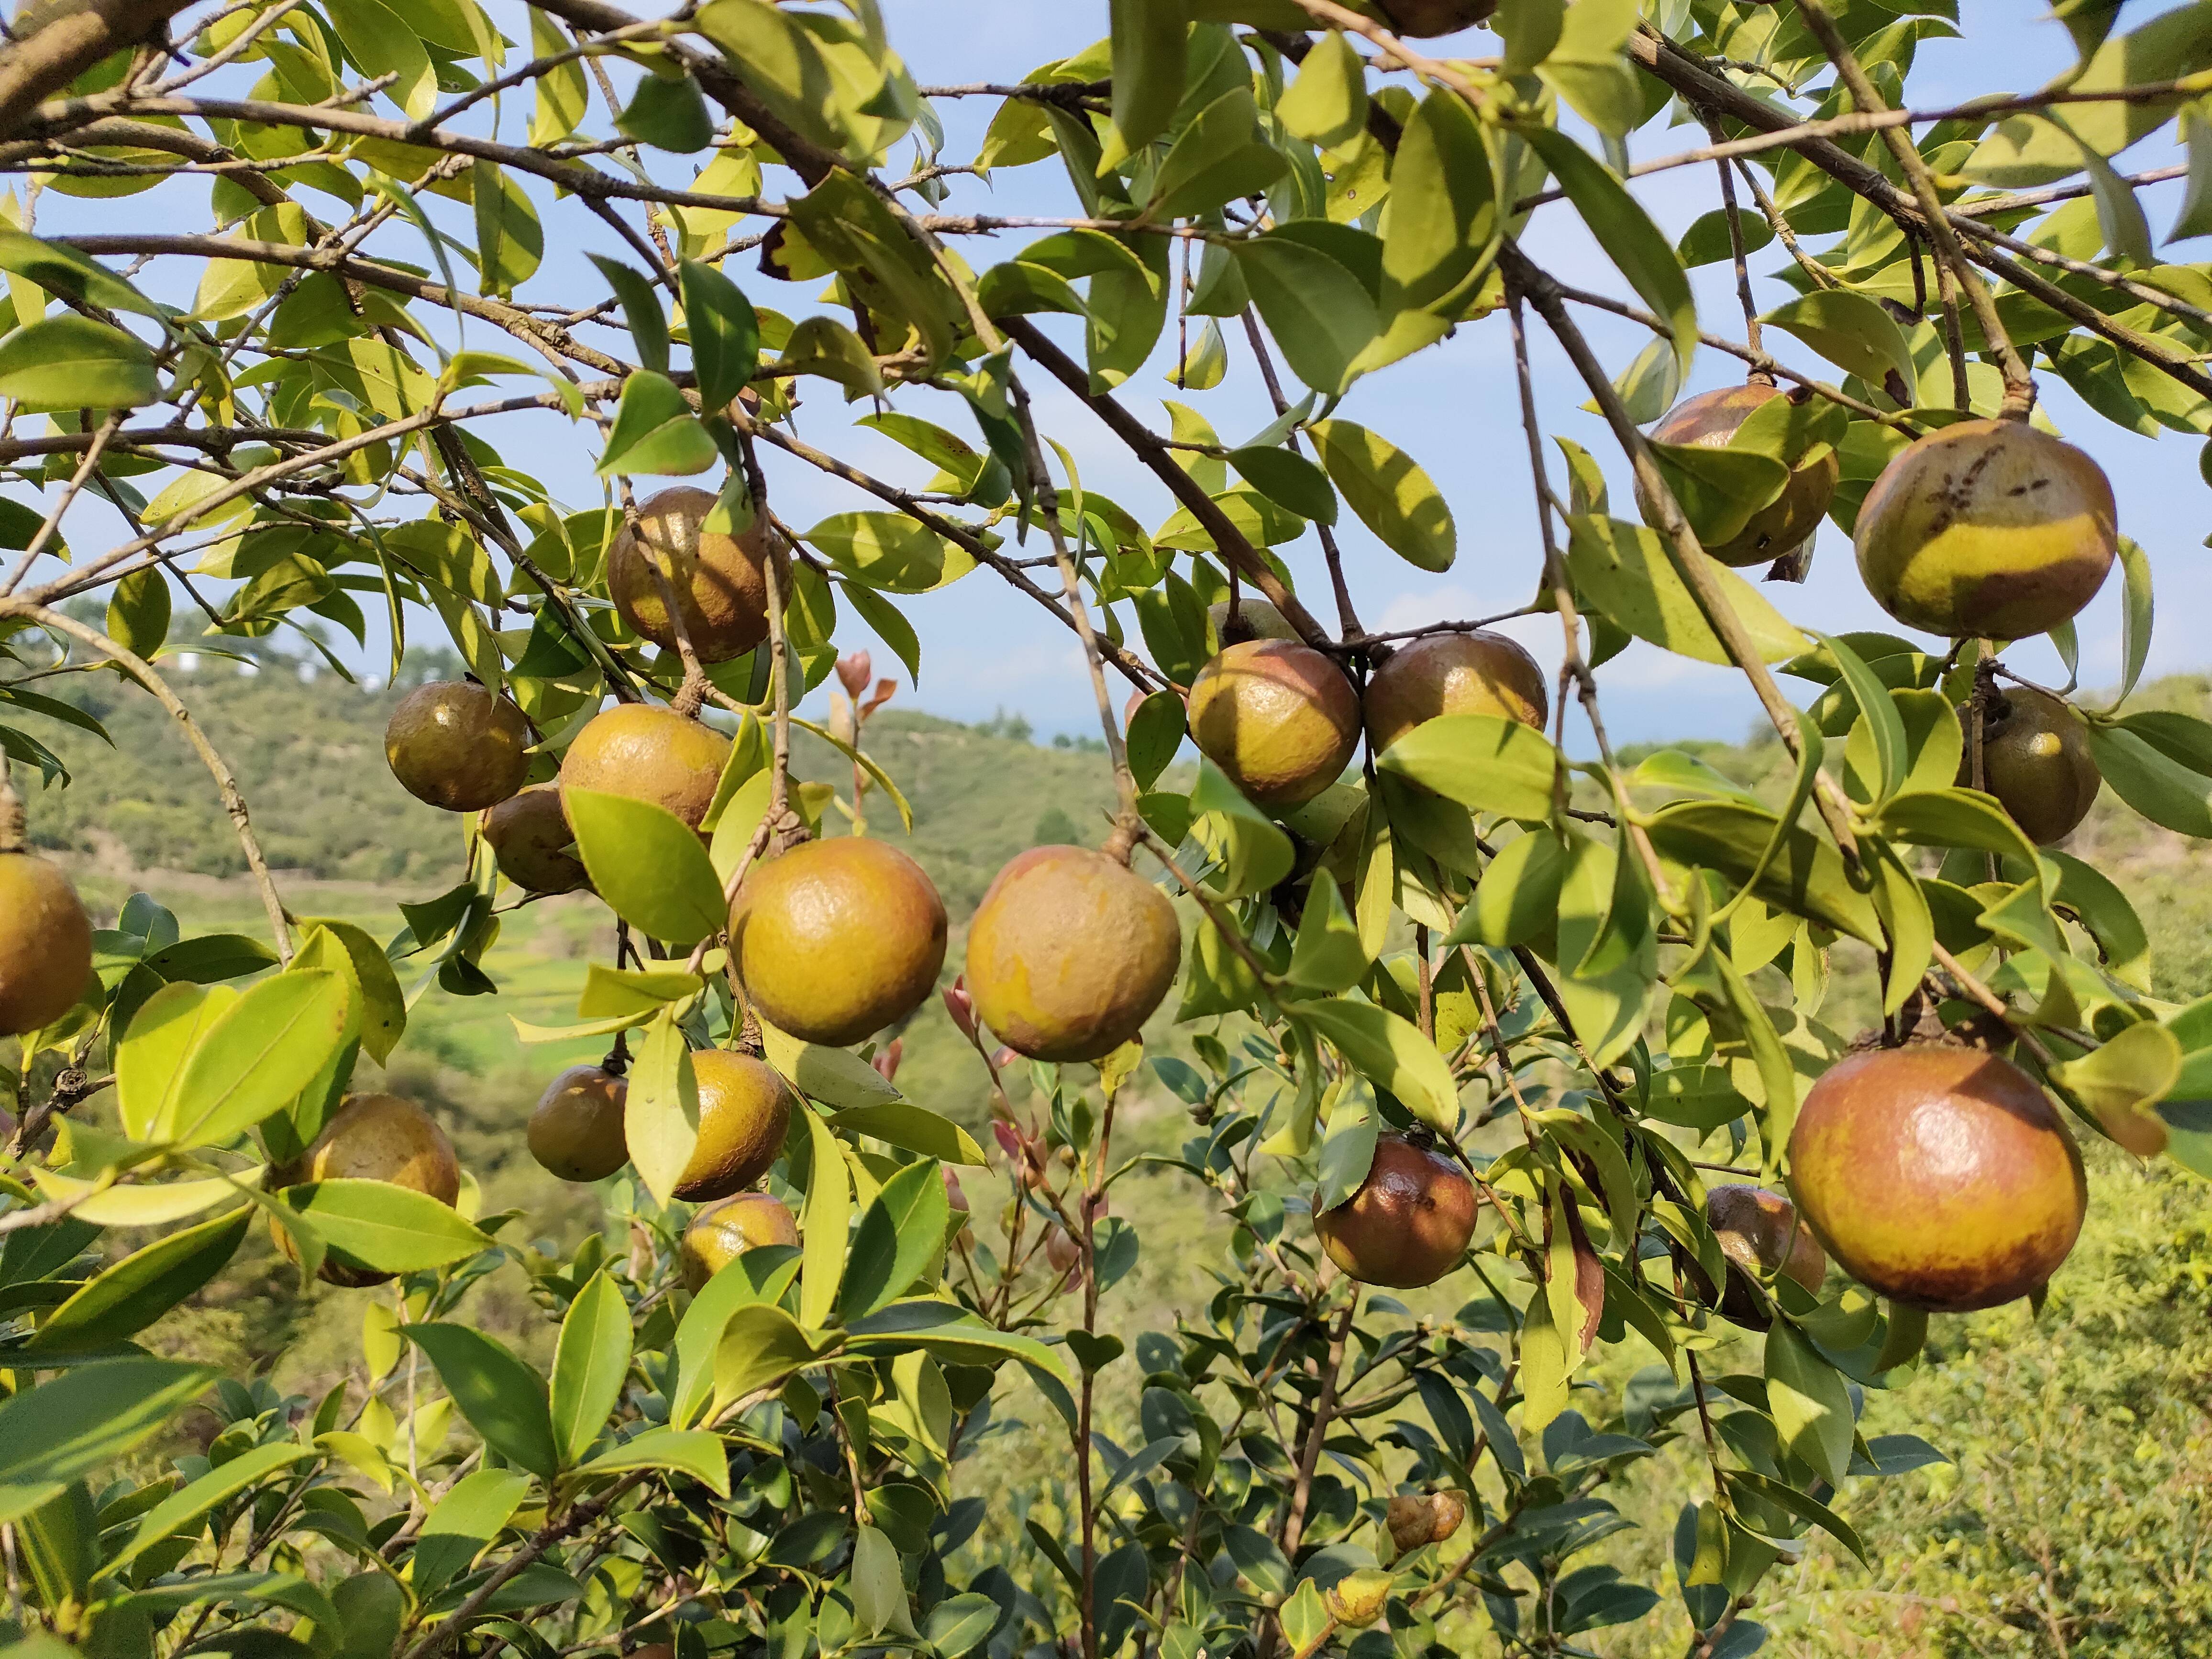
(887, 1059)
(961, 1007)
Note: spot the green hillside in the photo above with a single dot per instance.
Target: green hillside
(2069, 1525)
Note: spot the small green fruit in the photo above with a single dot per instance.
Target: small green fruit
(457, 745)
(2036, 761)
(1280, 719)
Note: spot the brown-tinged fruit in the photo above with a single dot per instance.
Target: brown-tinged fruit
(1940, 1177)
(836, 940)
(577, 1131)
(1425, 1518)
(1987, 529)
(1279, 718)
(457, 745)
(745, 1111)
(374, 1137)
(529, 835)
(1420, 19)
(2036, 761)
(1069, 953)
(1760, 1234)
(648, 753)
(1358, 1598)
(719, 580)
(1408, 1223)
(45, 938)
(1256, 619)
(1709, 420)
(722, 1232)
(1477, 672)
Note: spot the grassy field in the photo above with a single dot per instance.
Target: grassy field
(2072, 1522)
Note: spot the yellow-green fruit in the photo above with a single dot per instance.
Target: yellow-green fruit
(1987, 529)
(1069, 953)
(719, 580)
(1358, 1598)
(1279, 718)
(1708, 420)
(1478, 672)
(577, 1131)
(46, 941)
(458, 744)
(2036, 761)
(836, 940)
(722, 1232)
(1258, 620)
(745, 1111)
(1942, 1177)
(1409, 1222)
(372, 1138)
(1760, 1234)
(529, 835)
(651, 754)
(1421, 19)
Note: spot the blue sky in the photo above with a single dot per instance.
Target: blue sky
(1453, 407)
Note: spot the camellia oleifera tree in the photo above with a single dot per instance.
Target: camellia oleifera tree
(1450, 1009)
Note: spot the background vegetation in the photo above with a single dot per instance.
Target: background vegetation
(2074, 1520)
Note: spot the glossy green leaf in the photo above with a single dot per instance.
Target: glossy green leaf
(911, 1127)
(186, 1506)
(1392, 496)
(1852, 331)
(63, 1429)
(1625, 572)
(1321, 314)
(1483, 762)
(1327, 102)
(463, 1524)
(260, 1053)
(1811, 1404)
(68, 361)
(591, 1362)
(1147, 46)
(1251, 852)
(1805, 876)
(901, 1233)
(1392, 1052)
(661, 1114)
(502, 1397)
(128, 1295)
(1638, 248)
(387, 1228)
(648, 865)
(655, 431)
(724, 332)
(821, 1224)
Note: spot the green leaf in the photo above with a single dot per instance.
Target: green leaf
(1623, 571)
(1805, 876)
(724, 332)
(591, 1362)
(381, 1006)
(655, 431)
(1810, 1402)
(138, 612)
(1328, 103)
(66, 1429)
(822, 1225)
(123, 1299)
(503, 1399)
(642, 309)
(1392, 1052)
(1347, 1151)
(960, 1624)
(61, 269)
(260, 1053)
(901, 1234)
(760, 1345)
(1147, 46)
(1852, 331)
(1875, 708)
(1252, 852)
(950, 1332)
(668, 114)
(2136, 617)
(1321, 314)
(661, 1114)
(890, 551)
(463, 1524)
(68, 361)
(1288, 479)
(692, 1452)
(385, 1228)
(1443, 206)
(879, 1601)
(1638, 248)
(910, 1127)
(150, 1063)
(382, 44)
(1518, 897)
(2132, 1070)
(740, 1283)
(1955, 817)
(1217, 158)
(1393, 496)
(1483, 762)
(836, 1077)
(1156, 733)
(510, 241)
(186, 1506)
(1718, 489)
(648, 865)
(1328, 955)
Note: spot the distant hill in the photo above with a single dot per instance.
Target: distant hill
(309, 757)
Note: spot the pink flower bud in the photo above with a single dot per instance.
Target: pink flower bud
(854, 670)
(887, 1061)
(1002, 1059)
(952, 1193)
(1009, 1140)
(961, 1007)
(884, 690)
